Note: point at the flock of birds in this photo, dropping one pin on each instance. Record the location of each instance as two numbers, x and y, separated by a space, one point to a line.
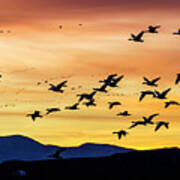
151 29
112 81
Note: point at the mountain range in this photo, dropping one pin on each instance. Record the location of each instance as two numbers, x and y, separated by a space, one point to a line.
22 148
23 156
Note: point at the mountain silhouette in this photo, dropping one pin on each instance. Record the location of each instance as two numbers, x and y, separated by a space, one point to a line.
22 148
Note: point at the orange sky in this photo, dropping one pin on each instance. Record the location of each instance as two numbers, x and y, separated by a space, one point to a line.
36 50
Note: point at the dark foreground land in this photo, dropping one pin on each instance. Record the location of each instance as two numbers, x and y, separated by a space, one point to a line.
145 165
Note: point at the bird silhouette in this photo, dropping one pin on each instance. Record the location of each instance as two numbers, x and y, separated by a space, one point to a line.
151 82
101 89
51 110
177 33
112 104
137 38
136 123
162 95
115 81
177 79
125 113
153 29
121 133
91 102
58 87
57 154
35 115
86 96
167 104
109 78
148 120
144 93
160 124
73 107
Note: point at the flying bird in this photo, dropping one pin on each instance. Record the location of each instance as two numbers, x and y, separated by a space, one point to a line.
58 87
109 78
151 82
115 81
177 33
35 115
86 96
112 104
137 38
160 124
125 113
57 154
91 102
136 123
177 79
51 110
101 89
162 95
121 133
73 107
144 93
167 104
148 120
153 29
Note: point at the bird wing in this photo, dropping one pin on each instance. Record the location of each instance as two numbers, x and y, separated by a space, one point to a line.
33 118
114 132
119 135
157 93
155 80
142 96
166 104
140 35
61 84
178 79
164 93
156 27
52 85
133 36
103 87
158 126
118 79
166 125
124 133
153 115
111 105
133 125
146 79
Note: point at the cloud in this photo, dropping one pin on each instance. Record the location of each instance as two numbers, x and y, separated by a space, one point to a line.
20 11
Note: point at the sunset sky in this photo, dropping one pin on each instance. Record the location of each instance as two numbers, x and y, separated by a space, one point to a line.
37 50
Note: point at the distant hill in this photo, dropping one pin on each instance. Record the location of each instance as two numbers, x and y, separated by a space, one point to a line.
23 148
19 147
90 150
